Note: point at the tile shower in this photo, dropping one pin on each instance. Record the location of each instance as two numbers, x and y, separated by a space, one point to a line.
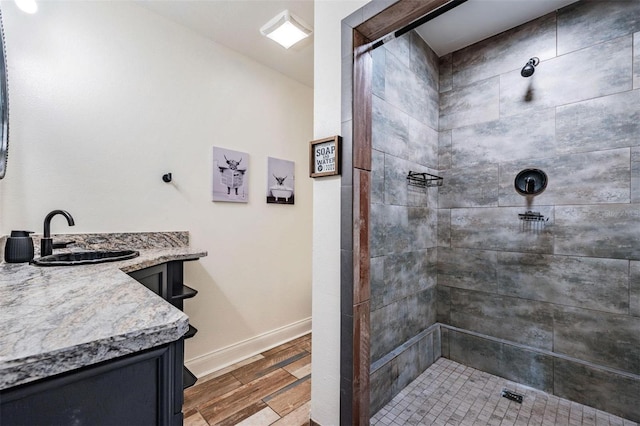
454 272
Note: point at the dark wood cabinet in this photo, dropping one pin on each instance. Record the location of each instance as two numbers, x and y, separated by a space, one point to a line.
167 281
144 388
140 389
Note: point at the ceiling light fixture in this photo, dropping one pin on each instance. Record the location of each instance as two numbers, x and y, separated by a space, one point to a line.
286 29
27 6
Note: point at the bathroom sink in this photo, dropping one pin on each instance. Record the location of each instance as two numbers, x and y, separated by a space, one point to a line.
85 257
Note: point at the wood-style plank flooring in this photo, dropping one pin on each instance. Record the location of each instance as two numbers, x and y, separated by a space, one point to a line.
272 388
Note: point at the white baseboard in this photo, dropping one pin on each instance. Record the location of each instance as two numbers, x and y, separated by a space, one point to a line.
221 358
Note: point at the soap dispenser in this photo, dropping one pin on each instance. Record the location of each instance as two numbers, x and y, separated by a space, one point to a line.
19 247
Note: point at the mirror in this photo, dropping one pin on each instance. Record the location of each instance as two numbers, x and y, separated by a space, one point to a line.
4 106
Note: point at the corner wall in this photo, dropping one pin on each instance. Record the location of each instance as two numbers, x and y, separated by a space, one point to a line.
553 305
332 112
403 217
106 97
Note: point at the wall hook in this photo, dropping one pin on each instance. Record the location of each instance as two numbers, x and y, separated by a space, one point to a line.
166 177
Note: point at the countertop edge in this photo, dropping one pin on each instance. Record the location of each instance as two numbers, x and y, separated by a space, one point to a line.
21 370
90 353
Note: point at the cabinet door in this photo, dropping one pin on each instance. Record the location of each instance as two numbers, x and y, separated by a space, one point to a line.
140 389
154 278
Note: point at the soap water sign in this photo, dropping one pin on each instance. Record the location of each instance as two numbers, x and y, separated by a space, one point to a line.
326 157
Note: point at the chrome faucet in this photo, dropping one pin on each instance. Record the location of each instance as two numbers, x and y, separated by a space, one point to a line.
46 244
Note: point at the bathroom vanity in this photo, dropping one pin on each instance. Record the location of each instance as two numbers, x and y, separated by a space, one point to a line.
91 345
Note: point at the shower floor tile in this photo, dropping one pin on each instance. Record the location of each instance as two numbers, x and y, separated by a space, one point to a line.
448 393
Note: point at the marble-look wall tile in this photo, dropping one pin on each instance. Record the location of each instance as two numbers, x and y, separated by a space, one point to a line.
424 61
446 73
511 362
444 228
444 149
406 363
602 123
611 392
401 275
610 231
583 178
379 59
468 269
389 128
387 328
403 218
527 367
599 70
399 229
476 103
380 291
380 385
518 137
431 115
587 23
400 48
475 352
444 342
475 186
394 324
634 288
591 283
422 311
413 361
602 338
408 367
388 230
396 188
437 343
635 174
422 227
377 177
636 60
443 304
518 320
410 93
426 350
423 144
500 229
506 51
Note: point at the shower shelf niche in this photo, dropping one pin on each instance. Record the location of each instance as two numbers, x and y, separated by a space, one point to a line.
423 180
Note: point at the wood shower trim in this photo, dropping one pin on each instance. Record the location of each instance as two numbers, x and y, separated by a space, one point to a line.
362 78
397 16
389 20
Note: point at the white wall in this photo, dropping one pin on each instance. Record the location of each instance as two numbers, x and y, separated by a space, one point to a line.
106 97
325 387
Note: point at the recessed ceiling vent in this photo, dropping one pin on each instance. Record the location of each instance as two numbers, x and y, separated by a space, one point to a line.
286 29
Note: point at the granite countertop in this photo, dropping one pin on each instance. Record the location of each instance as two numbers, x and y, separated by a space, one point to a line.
57 319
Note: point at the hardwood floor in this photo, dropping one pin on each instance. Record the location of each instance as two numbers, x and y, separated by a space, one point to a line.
273 388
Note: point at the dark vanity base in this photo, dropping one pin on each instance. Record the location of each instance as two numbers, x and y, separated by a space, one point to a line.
140 389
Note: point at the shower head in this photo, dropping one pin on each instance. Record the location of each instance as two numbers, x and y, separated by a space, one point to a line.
529 68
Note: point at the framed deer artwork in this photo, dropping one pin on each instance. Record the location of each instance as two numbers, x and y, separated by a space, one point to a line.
280 181
230 175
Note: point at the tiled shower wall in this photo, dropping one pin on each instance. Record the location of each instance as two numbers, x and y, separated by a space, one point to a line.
403 218
557 305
